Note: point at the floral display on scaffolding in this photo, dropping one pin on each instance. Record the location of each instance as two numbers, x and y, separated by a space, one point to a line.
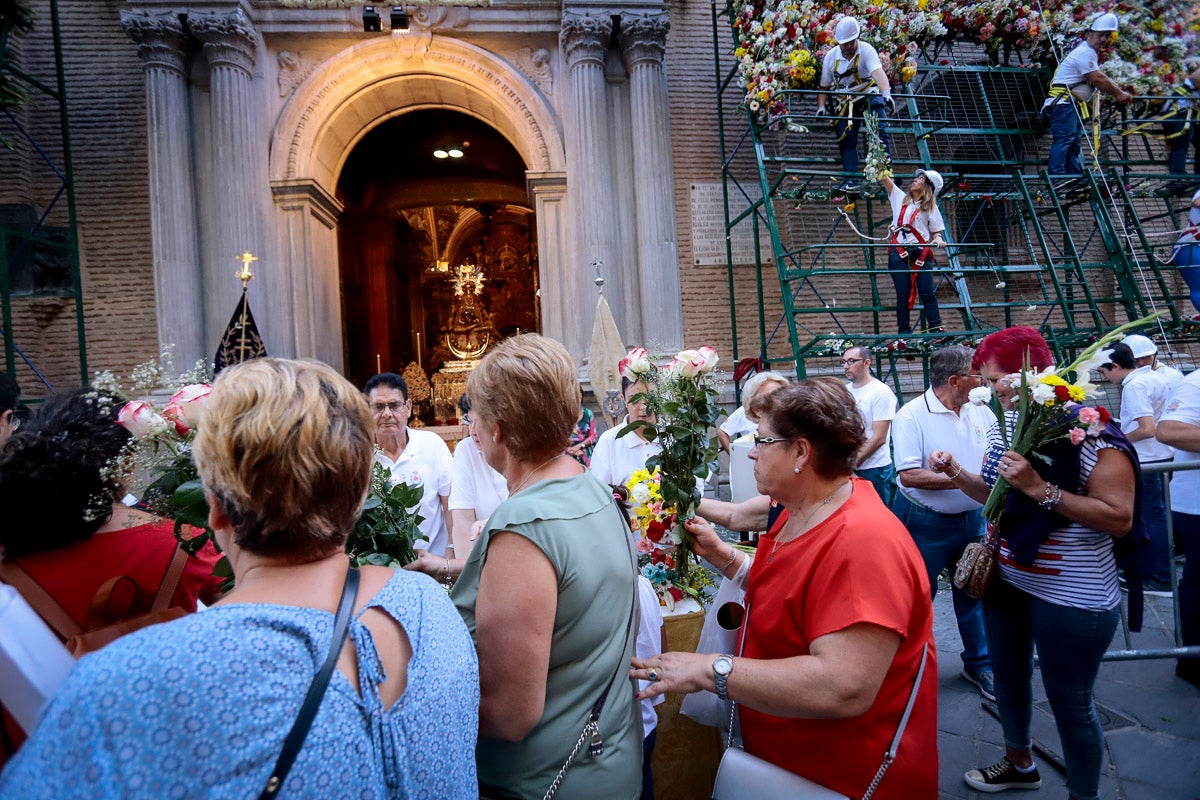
780 44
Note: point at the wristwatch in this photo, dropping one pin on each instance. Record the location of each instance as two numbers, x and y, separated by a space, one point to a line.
722 666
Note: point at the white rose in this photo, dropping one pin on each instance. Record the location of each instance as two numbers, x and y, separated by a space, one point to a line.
185 405
635 365
640 494
710 359
141 419
688 363
980 396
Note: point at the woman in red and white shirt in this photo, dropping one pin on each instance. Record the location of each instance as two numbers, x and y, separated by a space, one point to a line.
917 226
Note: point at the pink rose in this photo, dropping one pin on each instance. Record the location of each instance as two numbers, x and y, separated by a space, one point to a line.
184 407
1078 435
710 359
141 419
644 546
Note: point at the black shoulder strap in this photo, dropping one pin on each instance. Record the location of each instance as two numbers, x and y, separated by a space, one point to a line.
316 690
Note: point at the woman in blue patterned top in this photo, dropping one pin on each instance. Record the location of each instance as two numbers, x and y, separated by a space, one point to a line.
199 707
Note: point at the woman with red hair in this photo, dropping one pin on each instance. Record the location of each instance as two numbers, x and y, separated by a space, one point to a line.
1056 587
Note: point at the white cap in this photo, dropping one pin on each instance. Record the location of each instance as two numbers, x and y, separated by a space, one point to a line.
1141 346
1105 23
846 30
934 177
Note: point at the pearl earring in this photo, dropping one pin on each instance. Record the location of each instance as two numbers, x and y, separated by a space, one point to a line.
796 470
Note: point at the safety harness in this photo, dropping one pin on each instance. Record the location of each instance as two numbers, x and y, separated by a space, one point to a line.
1088 109
904 224
845 104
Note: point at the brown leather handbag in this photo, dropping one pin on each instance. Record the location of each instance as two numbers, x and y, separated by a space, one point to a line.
977 566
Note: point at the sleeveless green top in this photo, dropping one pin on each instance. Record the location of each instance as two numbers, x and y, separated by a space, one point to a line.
575 522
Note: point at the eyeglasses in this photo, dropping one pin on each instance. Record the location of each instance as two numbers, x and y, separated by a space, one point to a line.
761 440
14 422
850 362
974 375
379 408
467 420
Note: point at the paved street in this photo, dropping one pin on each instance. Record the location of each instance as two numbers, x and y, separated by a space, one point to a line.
1151 720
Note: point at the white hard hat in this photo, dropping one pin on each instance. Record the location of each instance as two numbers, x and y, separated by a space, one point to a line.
1141 346
1105 23
934 177
846 31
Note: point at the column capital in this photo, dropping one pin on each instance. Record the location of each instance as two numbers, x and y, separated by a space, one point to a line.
585 37
160 38
229 38
643 37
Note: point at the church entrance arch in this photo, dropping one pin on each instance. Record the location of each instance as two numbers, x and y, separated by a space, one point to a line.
364 87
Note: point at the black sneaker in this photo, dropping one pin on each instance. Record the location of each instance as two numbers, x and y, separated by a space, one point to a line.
1001 776
984 680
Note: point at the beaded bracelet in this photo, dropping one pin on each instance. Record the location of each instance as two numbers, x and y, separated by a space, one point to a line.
956 474
721 569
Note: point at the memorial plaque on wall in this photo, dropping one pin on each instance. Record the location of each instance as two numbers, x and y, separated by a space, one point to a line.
708 227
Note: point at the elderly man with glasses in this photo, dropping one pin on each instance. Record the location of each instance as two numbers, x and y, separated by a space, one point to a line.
414 457
877 404
942 519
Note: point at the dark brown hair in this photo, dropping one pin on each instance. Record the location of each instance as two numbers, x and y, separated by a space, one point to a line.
822 411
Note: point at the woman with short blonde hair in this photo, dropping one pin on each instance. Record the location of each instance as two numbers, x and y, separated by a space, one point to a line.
284 451
549 591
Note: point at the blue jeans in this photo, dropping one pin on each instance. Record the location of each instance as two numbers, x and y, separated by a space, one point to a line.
941 538
1066 129
1187 258
1156 565
882 478
1069 642
848 144
1182 134
648 774
1188 528
901 269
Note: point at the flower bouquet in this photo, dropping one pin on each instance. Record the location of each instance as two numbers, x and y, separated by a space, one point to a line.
682 404
1044 411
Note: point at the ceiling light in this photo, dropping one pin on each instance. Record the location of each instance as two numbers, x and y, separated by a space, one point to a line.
399 20
454 152
372 22
440 153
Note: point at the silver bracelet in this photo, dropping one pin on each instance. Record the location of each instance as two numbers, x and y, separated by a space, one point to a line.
721 569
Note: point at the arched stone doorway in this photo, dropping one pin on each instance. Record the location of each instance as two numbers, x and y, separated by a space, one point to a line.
353 93
436 245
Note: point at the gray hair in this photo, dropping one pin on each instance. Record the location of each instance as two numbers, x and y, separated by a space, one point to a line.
754 384
952 360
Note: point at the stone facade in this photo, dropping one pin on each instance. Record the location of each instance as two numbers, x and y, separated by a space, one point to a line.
202 129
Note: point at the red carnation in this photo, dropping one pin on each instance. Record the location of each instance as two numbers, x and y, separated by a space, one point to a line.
676 593
1105 417
1062 393
655 531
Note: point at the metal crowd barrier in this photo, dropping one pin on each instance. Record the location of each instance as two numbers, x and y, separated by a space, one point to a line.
1179 650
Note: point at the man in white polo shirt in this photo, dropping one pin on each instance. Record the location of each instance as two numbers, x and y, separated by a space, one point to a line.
941 519
877 404
1143 400
615 459
415 457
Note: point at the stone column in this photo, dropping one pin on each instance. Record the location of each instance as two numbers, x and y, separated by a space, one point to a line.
178 286
643 43
235 162
584 40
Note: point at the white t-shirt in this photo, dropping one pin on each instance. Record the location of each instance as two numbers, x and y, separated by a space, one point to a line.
1144 394
923 425
425 462
1183 405
839 72
909 214
615 460
473 484
648 645
1190 236
1071 71
1169 374
737 425
877 403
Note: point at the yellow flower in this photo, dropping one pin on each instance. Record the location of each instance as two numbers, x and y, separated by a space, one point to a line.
922 4
740 53
768 26
1054 380
1078 394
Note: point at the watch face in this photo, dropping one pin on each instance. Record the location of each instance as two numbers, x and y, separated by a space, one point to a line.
723 665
